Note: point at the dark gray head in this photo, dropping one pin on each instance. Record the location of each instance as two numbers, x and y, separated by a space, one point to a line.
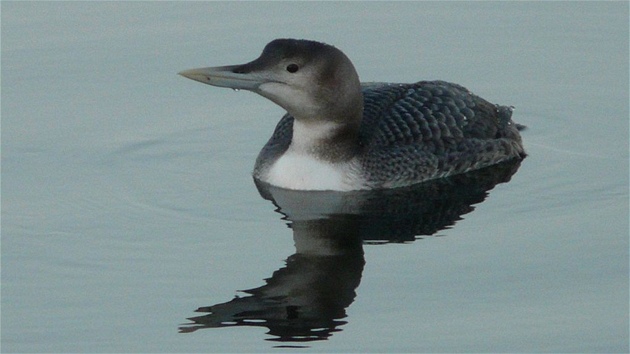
313 81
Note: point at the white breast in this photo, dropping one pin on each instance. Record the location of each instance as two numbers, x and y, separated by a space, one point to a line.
304 172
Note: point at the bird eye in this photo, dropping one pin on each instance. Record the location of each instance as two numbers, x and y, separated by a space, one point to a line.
292 68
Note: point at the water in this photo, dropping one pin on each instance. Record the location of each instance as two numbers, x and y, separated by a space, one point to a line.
127 200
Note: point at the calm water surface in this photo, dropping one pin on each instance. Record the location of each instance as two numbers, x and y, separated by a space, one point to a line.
130 222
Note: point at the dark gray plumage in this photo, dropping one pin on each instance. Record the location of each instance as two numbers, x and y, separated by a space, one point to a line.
341 134
416 132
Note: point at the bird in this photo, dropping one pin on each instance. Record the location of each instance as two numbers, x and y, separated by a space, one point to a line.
340 134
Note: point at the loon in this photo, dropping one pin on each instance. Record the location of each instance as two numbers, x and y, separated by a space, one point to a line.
340 134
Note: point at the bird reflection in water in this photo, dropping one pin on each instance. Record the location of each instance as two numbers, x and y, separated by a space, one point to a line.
306 300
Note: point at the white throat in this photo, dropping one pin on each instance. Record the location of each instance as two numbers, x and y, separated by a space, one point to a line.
299 168
308 136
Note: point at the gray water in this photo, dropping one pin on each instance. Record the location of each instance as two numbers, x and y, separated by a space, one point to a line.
128 204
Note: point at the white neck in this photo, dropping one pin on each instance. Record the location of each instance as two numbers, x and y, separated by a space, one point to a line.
308 135
301 168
